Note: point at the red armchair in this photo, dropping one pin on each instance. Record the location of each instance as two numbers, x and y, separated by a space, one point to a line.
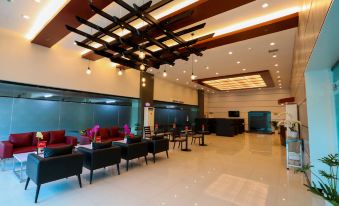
26 142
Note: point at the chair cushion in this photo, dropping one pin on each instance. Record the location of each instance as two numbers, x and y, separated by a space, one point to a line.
57 151
104 133
133 140
45 138
101 145
21 140
57 137
115 132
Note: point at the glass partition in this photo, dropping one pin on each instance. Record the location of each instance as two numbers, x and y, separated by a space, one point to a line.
168 113
27 108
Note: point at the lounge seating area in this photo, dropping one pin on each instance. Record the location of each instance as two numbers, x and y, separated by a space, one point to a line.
169 102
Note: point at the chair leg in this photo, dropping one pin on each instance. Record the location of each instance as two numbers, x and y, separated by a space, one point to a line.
192 140
91 177
27 181
154 157
167 153
79 179
179 144
146 159
37 193
118 168
173 145
127 165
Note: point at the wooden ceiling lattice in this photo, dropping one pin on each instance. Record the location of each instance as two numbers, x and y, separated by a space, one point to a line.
124 49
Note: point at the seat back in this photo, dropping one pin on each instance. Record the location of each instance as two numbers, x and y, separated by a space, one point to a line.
99 158
43 170
147 131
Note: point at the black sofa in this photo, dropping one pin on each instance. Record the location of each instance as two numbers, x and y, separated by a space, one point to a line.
99 158
43 170
133 150
158 144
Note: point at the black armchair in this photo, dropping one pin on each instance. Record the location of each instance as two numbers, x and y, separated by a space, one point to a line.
157 145
132 151
43 170
99 158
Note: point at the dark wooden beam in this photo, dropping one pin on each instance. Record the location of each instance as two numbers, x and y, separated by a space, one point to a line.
55 30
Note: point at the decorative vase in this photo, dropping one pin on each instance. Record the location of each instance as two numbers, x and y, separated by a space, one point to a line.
293 134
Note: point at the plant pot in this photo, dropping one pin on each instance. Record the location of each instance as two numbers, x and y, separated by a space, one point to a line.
293 134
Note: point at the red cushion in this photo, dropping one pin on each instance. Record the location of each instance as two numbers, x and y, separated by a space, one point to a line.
115 132
57 137
21 140
45 136
114 139
104 133
24 149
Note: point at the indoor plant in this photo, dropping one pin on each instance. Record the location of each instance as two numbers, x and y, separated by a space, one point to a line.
327 183
292 125
93 132
39 136
274 125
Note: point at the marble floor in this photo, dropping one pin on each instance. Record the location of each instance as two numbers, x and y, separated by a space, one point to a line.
246 170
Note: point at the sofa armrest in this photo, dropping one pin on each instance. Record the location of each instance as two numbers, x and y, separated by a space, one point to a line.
71 140
32 167
6 149
121 135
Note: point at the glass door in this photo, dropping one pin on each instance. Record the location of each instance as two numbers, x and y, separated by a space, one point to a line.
336 92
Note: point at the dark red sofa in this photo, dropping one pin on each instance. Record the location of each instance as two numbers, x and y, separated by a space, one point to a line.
106 134
26 142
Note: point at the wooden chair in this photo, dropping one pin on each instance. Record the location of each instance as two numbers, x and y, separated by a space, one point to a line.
147 132
196 136
176 137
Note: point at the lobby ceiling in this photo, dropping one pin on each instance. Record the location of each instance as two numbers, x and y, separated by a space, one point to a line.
252 52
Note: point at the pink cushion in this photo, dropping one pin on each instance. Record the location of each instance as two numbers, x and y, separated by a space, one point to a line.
45 137
57 137
21 140
115 132
104 133
24 149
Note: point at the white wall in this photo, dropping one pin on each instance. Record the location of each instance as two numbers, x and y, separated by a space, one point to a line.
245 101
168 91
28 63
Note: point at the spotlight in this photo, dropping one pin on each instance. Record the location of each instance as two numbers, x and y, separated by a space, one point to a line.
164 73
142 67
142 55
193 76
144 84
143 79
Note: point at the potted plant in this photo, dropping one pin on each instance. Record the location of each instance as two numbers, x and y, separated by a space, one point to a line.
127 132
293 127
93 133
325 185
274 125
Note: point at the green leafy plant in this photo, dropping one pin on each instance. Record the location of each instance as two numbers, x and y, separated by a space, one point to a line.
274 124
327 182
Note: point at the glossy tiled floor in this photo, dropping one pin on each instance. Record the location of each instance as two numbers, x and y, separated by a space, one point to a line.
247 170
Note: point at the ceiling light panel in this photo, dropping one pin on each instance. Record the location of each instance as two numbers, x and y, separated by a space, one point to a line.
235 83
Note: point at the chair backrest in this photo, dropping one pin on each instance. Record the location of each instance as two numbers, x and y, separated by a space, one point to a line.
147 131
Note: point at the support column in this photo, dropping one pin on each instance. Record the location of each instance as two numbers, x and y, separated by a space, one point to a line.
146 94
201 103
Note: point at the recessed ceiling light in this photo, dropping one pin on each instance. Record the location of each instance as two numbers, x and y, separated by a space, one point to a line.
171 66
238 62
277 71
184 71
280 87
244 69
272 43
249 48
25 16
278 77
265 5
150 70
230 52
279 80
217 73
177 79
37 1
279 84
195 60
207 67
274 56
276 65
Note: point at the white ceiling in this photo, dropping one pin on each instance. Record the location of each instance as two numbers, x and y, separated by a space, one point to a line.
217 59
